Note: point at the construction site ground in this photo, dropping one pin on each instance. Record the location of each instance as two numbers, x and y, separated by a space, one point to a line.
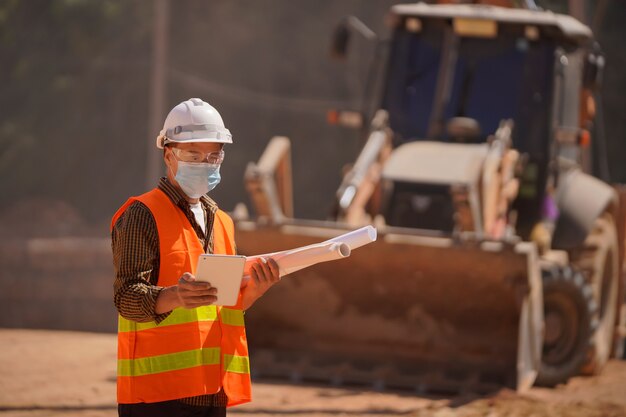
59 373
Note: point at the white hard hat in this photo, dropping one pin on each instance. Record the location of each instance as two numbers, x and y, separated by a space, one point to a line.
193 120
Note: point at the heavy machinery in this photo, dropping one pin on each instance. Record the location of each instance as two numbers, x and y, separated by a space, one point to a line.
500 256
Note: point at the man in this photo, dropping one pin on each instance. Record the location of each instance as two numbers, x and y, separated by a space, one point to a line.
178 354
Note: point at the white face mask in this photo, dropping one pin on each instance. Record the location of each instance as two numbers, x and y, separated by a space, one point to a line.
197 179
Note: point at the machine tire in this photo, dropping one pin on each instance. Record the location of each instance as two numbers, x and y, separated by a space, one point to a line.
569 310
599 262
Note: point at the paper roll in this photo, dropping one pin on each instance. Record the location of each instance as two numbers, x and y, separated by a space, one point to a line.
296 259
357 238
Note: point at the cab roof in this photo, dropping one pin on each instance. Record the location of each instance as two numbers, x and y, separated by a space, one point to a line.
568 27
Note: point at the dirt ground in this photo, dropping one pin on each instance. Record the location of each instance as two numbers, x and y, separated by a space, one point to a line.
52 373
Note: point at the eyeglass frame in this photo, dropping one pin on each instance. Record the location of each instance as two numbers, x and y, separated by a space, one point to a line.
205 155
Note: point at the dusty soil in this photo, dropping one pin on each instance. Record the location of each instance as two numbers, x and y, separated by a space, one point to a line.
52 373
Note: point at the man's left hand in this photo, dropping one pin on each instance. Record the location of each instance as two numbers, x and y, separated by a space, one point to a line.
263 275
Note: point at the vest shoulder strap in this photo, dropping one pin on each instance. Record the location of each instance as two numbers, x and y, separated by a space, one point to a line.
224 222
144 198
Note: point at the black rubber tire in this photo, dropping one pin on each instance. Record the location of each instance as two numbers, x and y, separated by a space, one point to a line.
569 310
598 260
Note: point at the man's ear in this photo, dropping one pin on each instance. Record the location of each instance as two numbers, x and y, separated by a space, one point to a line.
167 156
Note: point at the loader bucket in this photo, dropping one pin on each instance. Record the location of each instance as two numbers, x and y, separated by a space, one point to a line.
409 312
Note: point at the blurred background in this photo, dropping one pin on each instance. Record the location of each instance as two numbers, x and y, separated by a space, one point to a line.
78 116
85 87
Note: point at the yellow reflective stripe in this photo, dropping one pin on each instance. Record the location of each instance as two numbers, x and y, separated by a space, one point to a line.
177 316
232 317
168 362
237 364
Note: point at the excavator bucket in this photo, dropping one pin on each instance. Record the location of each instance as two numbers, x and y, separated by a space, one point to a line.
413 312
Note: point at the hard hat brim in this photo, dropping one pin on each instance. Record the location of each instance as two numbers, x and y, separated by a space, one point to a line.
194 134
162 141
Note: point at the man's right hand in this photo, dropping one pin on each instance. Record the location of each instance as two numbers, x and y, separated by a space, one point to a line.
193 293
188 293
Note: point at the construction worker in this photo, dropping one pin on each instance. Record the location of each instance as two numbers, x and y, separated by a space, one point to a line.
178 354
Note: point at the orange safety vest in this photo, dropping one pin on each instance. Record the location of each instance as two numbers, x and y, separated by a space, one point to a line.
193 351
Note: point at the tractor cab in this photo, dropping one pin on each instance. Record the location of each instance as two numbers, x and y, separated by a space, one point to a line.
454 75
485 64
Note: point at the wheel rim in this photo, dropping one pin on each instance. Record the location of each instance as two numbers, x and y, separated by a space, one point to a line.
607 282
606 309
562 333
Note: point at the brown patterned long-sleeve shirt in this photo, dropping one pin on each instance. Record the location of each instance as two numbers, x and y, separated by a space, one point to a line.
135 246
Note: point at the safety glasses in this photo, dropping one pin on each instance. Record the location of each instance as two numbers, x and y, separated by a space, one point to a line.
184 155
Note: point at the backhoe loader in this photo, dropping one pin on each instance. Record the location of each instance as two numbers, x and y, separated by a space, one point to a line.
499 261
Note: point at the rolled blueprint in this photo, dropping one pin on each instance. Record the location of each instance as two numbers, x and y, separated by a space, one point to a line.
299 258
357 238
296 259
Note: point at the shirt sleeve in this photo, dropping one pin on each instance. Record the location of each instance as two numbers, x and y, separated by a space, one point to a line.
135 246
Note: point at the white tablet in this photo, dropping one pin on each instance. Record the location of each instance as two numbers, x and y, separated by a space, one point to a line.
225 273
